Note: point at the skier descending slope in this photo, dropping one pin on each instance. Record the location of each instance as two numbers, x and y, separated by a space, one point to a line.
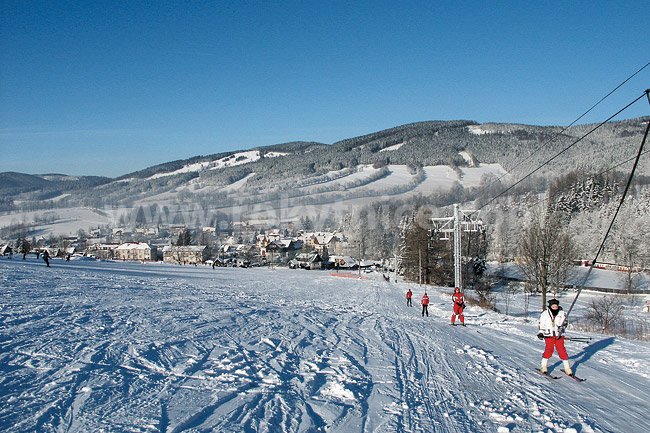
552 323
459 305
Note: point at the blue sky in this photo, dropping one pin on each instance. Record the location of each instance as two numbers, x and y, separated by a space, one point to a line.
106 88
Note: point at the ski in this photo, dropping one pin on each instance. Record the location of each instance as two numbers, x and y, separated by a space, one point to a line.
547 375
577 379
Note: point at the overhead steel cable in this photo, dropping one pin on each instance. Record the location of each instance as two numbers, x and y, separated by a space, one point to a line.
606 96
564 150
558 135
627 187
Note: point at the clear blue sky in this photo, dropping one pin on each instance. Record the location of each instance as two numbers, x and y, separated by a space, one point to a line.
106 88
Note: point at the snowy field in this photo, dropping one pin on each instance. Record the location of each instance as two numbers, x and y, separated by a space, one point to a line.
63 221
124 347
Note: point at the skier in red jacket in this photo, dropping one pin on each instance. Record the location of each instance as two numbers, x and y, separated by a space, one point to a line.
409 295
459 305
425 304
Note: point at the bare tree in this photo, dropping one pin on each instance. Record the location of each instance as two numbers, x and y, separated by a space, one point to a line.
528 291
546 252
606 312
509 292
628 255
424 257
413 248
502 240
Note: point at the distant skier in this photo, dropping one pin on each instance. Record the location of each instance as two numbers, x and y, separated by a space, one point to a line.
409 296
459 305
552 323
46 257
425 304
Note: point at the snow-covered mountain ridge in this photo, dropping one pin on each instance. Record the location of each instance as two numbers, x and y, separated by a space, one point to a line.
437 163
423 144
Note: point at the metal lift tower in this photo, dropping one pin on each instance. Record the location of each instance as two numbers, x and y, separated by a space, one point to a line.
461 222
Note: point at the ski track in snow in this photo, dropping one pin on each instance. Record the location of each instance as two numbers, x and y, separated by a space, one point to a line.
122 347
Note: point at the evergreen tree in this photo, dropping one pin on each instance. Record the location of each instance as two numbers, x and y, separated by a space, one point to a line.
306 223
441 260
184 238
204 239
414 250
187 237
140 218
25 246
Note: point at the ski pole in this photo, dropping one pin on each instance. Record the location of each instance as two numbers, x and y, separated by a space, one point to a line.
581 339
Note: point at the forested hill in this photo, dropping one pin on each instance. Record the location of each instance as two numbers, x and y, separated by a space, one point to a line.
515 148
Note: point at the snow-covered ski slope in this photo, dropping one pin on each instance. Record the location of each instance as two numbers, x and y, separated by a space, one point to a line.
126 347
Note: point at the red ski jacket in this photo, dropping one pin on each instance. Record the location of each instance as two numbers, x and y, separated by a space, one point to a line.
425 300
458 298
409 294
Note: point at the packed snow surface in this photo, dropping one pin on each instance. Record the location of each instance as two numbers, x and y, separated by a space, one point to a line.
393 147
125 347
233 160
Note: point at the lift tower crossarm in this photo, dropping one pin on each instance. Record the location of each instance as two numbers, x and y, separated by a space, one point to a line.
460 222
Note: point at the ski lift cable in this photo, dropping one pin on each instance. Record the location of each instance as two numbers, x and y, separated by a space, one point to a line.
627 187
564 150
606 96
559 134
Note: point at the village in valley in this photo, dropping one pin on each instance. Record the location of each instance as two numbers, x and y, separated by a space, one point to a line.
247 245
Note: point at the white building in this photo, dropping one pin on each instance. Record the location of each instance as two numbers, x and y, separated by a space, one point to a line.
102 251
189 254
135 251
322 241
